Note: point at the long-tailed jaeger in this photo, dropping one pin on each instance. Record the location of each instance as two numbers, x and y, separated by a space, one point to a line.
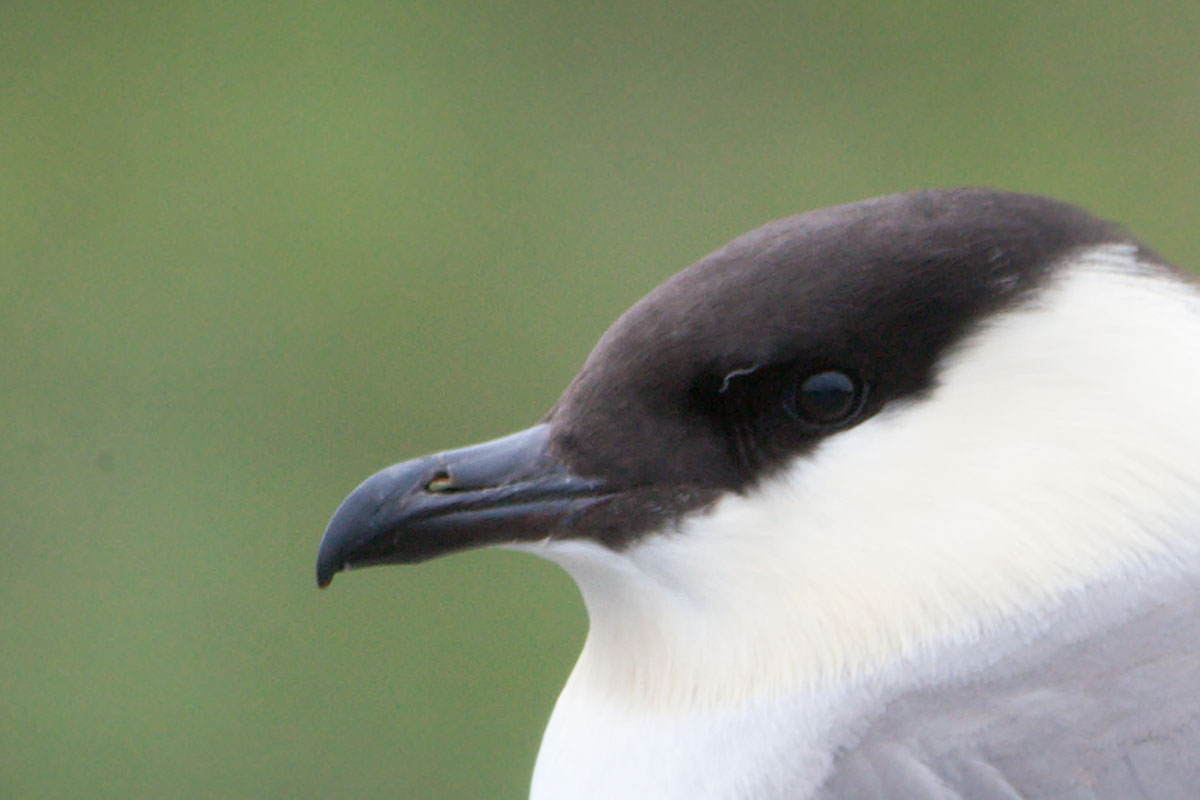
898 499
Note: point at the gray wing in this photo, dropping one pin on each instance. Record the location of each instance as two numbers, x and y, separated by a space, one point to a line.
1116 717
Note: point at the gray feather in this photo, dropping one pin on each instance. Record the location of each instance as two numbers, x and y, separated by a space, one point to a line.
1113 717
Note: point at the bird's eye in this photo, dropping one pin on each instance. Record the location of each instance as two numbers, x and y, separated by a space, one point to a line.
826 398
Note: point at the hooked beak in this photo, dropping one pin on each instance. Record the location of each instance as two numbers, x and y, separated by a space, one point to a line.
508 490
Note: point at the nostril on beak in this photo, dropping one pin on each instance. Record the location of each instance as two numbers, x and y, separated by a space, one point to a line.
441 482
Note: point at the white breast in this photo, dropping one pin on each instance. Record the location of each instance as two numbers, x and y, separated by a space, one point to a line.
595 750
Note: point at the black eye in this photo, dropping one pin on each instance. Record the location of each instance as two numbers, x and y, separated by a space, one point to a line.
826 398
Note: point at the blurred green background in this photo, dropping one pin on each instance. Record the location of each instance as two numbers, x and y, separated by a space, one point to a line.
249 253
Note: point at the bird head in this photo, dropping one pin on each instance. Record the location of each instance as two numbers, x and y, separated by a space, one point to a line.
837 439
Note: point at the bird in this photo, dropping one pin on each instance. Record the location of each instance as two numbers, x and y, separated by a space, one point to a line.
893 500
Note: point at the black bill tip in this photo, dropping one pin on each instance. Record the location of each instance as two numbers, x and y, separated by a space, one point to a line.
362 518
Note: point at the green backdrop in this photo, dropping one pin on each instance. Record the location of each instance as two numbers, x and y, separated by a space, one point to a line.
249 253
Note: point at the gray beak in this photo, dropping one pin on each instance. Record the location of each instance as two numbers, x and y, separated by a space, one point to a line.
508 490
